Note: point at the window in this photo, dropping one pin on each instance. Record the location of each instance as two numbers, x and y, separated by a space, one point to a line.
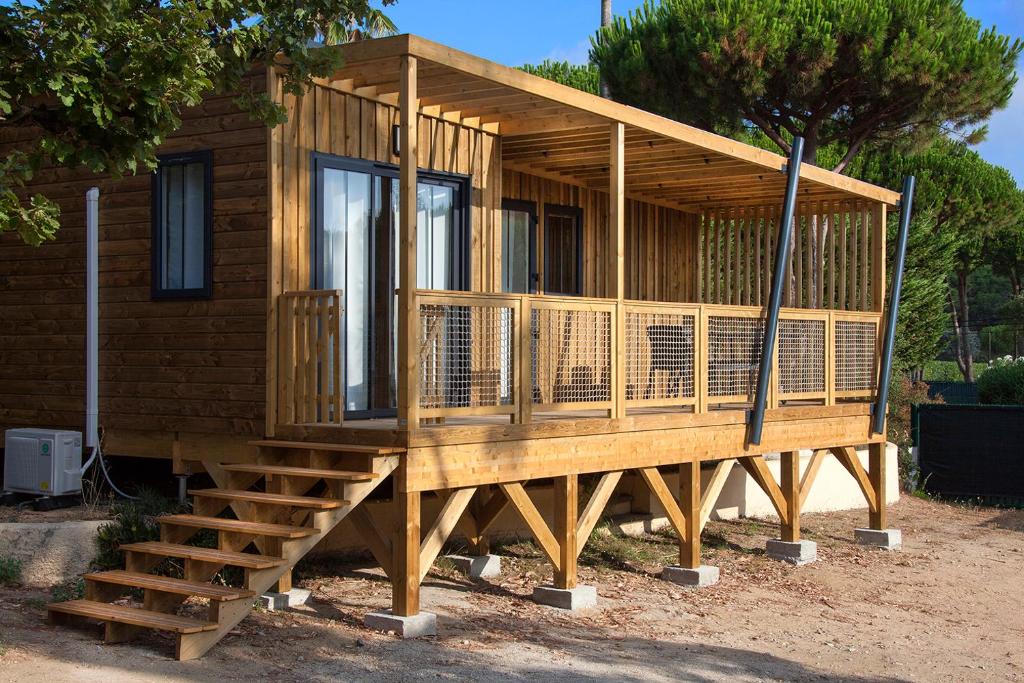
355 249
563 250
518 228
182 210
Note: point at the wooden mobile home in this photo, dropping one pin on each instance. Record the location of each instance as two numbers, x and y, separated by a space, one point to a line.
458 279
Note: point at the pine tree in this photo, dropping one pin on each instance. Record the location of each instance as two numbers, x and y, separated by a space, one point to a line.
849 72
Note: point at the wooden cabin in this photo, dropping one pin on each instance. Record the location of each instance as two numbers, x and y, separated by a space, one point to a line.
456 278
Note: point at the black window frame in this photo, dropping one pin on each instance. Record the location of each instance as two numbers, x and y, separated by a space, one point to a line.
320 161
530 208
158 292
576 213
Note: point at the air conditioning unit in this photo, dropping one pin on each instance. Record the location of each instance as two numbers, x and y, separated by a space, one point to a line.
46 462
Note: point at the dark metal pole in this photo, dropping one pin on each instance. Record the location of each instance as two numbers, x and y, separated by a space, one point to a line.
906 204
771 326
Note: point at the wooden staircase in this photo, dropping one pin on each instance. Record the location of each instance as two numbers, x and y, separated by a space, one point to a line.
266 516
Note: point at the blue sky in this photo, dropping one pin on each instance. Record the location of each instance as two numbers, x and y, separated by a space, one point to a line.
501 32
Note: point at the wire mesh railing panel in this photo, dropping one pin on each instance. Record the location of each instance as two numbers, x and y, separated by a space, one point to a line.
466 356
570 356
734 354
855 355
659 356
801 357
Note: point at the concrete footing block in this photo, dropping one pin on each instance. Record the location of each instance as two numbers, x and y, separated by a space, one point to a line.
699 577
794 552
415 626
477 566
293 598
888 539
580 597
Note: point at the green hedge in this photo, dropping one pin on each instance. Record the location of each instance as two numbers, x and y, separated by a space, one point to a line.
1003 382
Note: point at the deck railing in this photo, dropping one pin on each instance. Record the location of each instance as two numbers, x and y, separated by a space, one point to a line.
309 357
513 354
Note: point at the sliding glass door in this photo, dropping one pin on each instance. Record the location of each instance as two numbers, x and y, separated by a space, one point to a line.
355 249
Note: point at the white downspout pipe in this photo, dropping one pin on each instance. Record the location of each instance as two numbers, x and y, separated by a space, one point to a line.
92 315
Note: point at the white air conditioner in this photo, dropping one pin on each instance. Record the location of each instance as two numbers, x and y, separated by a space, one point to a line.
46 462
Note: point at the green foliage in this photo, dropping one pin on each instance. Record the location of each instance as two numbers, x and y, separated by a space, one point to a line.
1005 252
583 77
961 202
904 393
134 521
69 590
10 570
104 83
1003 382
850 72
942 371
924 315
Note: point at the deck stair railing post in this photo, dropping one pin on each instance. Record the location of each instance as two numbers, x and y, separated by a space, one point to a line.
885 369
777 287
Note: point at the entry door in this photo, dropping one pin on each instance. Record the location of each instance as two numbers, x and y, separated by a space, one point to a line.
356 250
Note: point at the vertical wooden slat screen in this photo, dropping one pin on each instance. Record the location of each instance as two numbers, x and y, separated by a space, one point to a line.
831 265
310 360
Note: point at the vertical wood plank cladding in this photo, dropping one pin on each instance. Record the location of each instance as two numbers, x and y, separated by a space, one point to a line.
830 265
170 366
660 243
333 122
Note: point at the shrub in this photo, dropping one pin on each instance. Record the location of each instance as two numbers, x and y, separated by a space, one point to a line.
10 571
134 521
1003 382
69 590
903 394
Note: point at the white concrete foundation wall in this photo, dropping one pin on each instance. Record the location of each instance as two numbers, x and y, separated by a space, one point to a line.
833 489
50 552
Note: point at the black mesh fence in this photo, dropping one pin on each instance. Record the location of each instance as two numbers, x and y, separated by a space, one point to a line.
972 451
959 393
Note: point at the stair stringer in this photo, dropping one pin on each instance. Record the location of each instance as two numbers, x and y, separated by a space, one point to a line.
193 645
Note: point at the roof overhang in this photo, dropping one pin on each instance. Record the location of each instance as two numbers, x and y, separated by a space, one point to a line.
554 131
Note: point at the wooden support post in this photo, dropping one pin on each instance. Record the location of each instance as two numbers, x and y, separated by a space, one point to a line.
689 502
617 216
405 579
790 485
284 582
566 502
878 517
408 312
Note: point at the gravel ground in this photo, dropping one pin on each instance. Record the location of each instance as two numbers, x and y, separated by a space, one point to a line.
949 606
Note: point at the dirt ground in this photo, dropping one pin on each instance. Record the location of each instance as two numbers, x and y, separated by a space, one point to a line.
949 606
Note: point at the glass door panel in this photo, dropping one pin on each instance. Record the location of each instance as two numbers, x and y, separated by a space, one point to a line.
347 240
357 250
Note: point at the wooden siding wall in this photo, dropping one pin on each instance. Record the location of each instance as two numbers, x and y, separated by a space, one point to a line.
335 122
165 366
661 244
332 121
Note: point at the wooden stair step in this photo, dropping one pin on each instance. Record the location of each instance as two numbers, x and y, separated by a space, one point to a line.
311 502
212 555
311 473
239 526
166 584
337 447
129 615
